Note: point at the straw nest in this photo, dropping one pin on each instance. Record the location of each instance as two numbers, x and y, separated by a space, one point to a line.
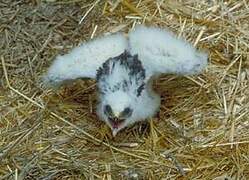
201 131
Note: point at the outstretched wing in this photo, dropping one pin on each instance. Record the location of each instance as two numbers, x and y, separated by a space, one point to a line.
161 52
83 61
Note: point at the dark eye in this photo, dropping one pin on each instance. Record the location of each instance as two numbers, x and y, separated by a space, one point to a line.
108 110
127 112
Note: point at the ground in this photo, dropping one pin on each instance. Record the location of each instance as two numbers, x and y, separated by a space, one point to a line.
201 131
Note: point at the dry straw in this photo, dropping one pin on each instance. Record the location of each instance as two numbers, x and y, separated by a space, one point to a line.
201 131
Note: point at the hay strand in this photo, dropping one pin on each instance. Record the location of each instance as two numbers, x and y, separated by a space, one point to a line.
201 131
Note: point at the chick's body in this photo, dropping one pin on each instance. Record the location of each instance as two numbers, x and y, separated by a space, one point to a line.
125 67
125 94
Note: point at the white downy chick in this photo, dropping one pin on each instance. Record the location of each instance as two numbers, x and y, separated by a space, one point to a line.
125 69
125 96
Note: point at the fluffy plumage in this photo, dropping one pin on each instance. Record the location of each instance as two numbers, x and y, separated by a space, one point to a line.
124 69
121 83
124 72
161 52
84 60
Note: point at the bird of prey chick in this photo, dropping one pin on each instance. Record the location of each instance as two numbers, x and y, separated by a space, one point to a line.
124 68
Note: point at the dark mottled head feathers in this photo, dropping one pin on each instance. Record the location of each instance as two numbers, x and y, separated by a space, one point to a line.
126 63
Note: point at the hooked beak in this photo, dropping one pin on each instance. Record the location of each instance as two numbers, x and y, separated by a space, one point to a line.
116 114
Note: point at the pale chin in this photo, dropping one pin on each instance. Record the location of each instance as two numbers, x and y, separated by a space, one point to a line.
114 132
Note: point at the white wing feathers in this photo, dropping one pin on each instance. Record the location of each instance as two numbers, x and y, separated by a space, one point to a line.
161 52
83 61
158 50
